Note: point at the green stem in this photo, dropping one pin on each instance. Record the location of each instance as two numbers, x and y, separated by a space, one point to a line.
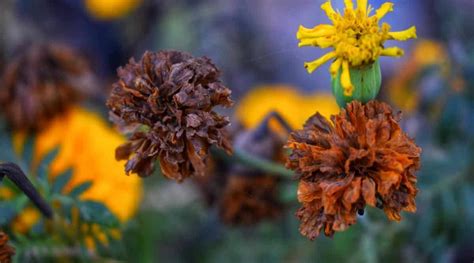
256 162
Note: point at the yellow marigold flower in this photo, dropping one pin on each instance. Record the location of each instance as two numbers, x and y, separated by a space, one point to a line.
294 107
87 145
356 37
110 9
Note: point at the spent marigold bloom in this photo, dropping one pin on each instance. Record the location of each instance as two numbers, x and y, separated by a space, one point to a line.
247 200
356 36
6 251
41 83
165 101
244 195
361 158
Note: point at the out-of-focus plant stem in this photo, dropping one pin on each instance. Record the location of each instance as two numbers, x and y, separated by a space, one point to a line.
255 162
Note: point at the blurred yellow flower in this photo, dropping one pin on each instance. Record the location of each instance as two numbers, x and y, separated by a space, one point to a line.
293 106
87 145
402 86
27 219
356 37
110 9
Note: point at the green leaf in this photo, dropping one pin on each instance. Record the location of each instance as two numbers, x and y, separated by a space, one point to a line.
43 168
11 208
61 181
95 212
8 212
80 189
28 150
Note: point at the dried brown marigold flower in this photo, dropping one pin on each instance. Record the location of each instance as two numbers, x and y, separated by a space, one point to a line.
165 101
247 200
6 251
40 83
361 158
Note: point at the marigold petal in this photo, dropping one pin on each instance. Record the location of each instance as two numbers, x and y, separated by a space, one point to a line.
307 192
386 180
312 66
315 32
349 4
327 7
368 191
384 9
392 52
352 193
362 6
335 66
403 35
346 79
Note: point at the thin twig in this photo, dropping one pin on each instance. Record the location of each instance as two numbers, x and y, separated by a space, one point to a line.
16 175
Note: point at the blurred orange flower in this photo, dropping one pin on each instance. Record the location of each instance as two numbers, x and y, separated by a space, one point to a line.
402 88
87 145
110 9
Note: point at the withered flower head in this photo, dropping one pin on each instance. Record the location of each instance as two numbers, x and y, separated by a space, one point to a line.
40 83
249 199
244 195
361 158
6 251
165 101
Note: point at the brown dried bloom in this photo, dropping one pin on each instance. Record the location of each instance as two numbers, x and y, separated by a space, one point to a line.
362 157
249 199
41 83
165 101
6 251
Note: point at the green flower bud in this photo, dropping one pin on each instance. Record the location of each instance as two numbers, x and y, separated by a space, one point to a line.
366 82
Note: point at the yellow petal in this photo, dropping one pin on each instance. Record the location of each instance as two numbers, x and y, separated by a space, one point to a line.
392 52
312 66
327 7
384 9
403 35
362 5
346 79
324 42
335 66
317 31
349 4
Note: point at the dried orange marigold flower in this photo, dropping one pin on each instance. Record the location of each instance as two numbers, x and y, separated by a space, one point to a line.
41 83
361 158
6 251
165 101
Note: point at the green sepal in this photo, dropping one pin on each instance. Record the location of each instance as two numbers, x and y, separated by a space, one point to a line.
366 82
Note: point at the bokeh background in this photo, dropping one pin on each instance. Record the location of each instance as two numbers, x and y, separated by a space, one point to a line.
254 45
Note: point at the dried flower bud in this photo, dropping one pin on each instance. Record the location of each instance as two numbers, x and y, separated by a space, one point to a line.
166 102
6 251
41 83
249 199
361 158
